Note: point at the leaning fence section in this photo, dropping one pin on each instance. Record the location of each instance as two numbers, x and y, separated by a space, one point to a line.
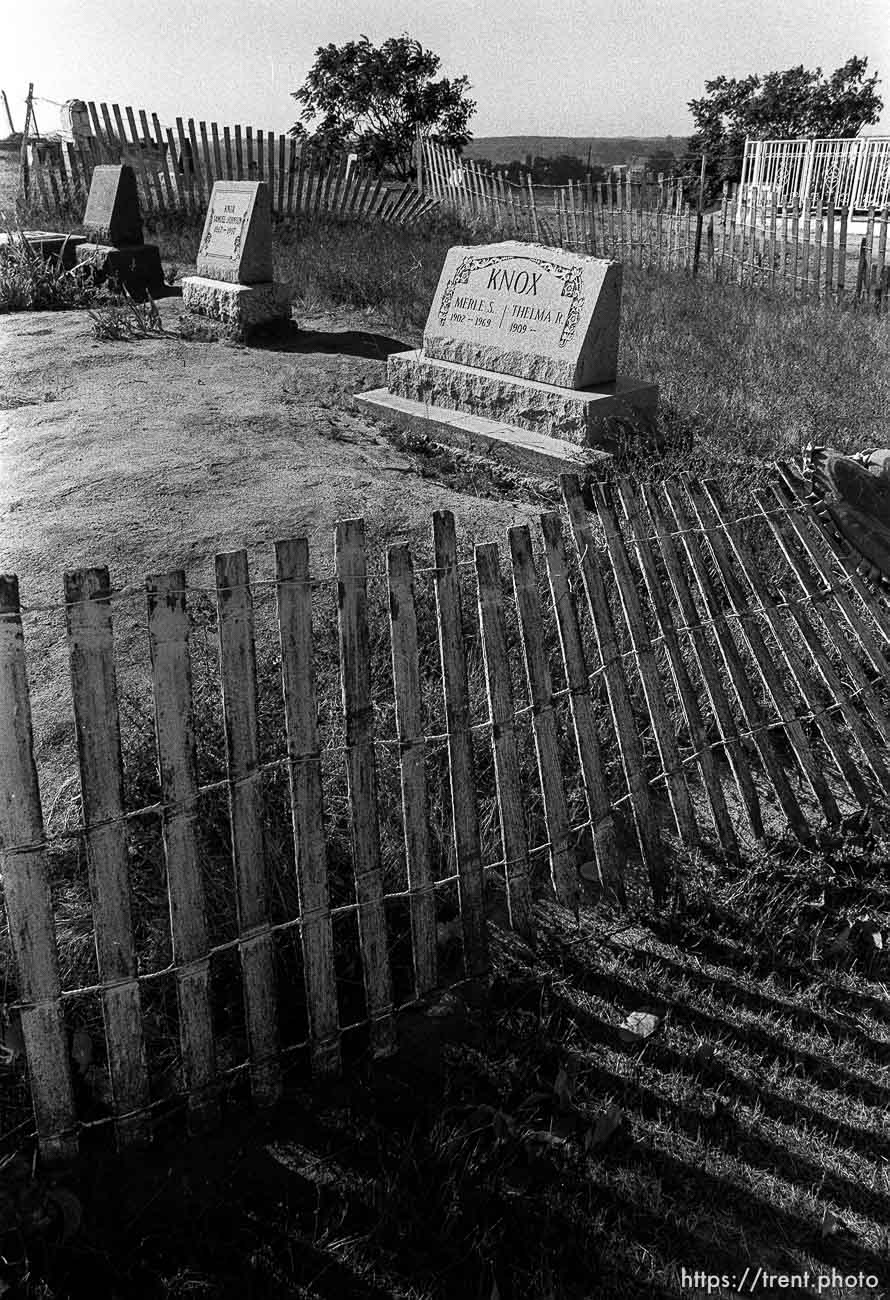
176 168
333 820
756 237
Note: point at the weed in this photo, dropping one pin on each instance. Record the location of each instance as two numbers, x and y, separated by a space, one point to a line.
31 282
117 315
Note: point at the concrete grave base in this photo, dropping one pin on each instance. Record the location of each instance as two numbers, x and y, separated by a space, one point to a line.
47 244
580 416
524 449
240 307
137 267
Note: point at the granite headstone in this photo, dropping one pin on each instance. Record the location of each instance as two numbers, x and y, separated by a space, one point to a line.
536 313
236 245
112 215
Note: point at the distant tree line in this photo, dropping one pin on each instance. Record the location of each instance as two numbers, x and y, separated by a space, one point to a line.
376 100
563 167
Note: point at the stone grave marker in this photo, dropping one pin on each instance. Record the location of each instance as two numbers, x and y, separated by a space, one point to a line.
535 313
112 215
236 245
114 246
234 285
519 357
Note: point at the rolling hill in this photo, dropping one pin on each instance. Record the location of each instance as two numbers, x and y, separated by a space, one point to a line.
501 149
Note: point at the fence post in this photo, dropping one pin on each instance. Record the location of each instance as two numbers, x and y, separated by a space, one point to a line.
28 898
294 591
361 773
464 809
25 174
699 215
256 945
97 728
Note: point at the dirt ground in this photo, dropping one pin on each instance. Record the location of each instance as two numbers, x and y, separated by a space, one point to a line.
157 453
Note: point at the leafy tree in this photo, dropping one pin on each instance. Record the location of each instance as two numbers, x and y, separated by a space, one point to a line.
778 106
374 99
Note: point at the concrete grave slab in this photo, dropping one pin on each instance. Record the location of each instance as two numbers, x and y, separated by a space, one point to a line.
581 416
46 244
240 308
524 449
539 313
138 267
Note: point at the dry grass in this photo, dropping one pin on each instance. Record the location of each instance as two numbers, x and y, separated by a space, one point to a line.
520 1148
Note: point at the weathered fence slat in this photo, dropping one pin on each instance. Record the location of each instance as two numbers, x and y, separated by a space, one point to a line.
761 654
239 156
753 714
218 172
511 808
609 855
202 181
185 167
162 150
206 162
830 733
361 771
256 944
682 681
94 693
464 809
810 532
412 752
556 814
27 896
784 526
625 724
294 592
663 728
168 633
734 747
282 147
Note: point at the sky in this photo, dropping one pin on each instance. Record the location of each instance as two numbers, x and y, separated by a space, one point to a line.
564 67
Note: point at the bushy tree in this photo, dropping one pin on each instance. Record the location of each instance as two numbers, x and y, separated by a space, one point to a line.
373 100
778 106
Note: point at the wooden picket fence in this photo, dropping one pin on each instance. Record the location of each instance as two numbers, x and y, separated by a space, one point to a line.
175 170
676 677
795 248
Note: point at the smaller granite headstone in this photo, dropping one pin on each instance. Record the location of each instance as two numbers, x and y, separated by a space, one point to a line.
234 285
114 247
236 245
112 215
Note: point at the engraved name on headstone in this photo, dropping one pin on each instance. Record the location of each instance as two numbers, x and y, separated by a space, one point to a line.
236 245
521 309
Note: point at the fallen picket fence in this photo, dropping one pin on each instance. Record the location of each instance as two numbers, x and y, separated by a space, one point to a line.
677 677
756 238
175 170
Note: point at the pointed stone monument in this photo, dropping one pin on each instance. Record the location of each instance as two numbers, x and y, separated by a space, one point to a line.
519 358
114 245
234 284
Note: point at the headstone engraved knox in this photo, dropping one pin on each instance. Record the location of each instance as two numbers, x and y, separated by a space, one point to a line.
522 310
519 356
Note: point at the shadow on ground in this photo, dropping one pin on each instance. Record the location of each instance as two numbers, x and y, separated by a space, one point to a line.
522 1146
347 343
